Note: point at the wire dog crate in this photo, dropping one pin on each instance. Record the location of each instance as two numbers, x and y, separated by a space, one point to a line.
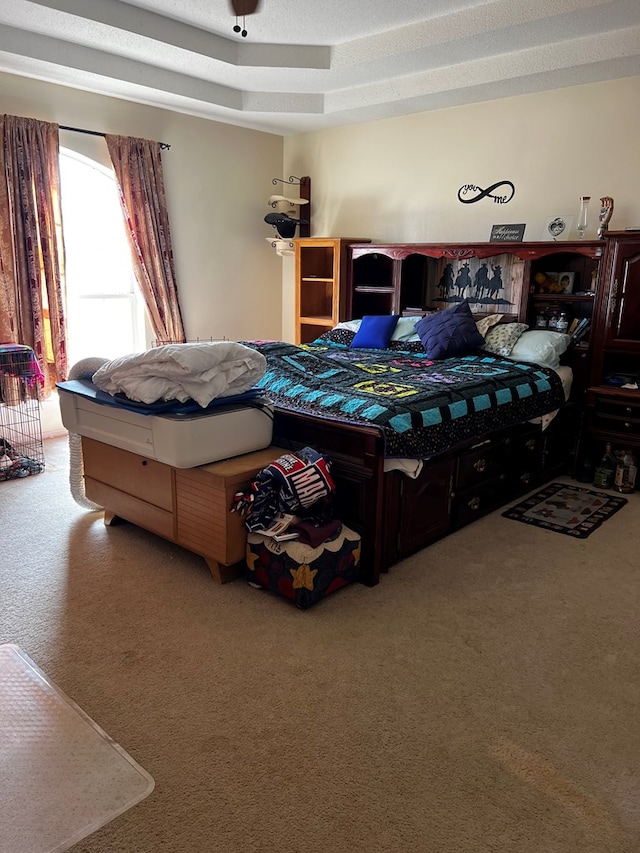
21 446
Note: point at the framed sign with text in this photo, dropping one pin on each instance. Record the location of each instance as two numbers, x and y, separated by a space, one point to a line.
507 233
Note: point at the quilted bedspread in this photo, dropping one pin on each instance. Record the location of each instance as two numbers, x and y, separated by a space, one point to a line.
422 407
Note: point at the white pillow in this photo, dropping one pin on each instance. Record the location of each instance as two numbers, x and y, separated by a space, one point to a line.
540 347
405 329
350 325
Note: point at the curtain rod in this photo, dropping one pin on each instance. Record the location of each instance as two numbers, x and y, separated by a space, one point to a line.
163 145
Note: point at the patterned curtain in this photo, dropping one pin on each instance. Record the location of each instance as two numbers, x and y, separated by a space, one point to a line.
138 169
31 244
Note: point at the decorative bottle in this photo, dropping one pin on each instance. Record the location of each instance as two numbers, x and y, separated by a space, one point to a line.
582 216
626 470
606 469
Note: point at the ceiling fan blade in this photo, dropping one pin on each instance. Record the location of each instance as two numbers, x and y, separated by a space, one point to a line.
241 8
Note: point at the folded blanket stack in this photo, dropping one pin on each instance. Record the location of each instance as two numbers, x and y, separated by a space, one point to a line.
198 371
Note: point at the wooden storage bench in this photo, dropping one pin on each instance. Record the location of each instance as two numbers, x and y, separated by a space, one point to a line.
188 506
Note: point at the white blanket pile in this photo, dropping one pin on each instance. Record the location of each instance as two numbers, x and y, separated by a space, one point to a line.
199 371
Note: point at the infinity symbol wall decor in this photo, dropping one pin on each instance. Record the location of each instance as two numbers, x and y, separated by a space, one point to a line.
488 193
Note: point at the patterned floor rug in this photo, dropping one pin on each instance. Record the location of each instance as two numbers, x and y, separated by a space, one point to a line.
567 509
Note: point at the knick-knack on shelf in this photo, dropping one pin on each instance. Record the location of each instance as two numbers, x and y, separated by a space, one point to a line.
606 211
581 225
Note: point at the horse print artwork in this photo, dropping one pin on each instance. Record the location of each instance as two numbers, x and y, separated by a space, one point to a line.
485 283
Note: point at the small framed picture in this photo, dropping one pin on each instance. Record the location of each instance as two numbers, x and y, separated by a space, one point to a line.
557 228
507 233
565 281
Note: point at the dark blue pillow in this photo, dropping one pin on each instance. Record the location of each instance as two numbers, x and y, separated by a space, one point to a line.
375 332
450 332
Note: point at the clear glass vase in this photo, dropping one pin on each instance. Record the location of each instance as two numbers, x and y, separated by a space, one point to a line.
581 226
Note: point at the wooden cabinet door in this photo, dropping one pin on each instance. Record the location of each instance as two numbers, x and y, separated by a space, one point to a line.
425 506
623 314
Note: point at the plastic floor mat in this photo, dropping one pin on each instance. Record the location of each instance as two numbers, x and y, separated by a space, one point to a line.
62 776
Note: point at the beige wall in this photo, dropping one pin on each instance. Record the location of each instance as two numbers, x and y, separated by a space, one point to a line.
397 180
218 178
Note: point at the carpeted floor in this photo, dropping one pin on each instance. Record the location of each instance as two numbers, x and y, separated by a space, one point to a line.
483 698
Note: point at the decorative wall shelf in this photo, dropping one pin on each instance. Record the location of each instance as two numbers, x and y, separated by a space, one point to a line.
282 247
273 200
287 217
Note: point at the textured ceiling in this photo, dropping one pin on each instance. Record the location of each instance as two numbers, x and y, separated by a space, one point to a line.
311 64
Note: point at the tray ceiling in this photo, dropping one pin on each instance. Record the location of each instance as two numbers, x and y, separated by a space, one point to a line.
308 65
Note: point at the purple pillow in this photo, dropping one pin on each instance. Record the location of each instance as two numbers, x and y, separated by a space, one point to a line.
450 332
375 332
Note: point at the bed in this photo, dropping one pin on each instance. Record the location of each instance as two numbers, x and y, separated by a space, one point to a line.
419 446
421 442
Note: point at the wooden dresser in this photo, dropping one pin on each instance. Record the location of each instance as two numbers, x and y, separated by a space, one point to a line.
613 410
188 506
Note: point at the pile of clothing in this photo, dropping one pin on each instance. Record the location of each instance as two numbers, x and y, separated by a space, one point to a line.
291 499
14 465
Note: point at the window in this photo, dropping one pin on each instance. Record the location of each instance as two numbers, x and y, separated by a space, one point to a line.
105 310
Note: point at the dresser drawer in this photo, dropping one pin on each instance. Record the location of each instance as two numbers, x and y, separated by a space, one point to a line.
142 513
142 478
615 426
522 479
515 457
525 446
480 464
621 417
623 409
469 504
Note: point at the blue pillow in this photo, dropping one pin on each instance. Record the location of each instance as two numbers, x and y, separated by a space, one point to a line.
375 332
449 332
